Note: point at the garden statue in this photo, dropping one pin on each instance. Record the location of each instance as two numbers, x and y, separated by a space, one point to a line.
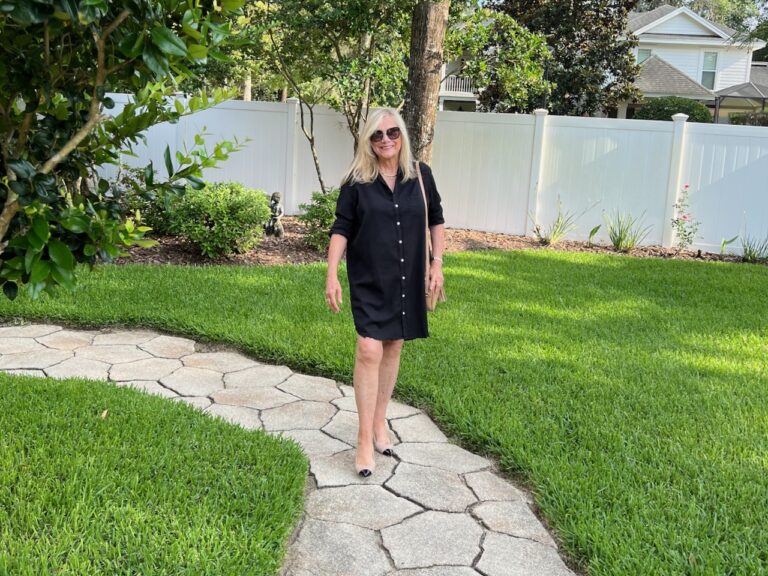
274 227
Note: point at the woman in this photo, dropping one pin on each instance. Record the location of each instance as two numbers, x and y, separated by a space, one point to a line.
380 221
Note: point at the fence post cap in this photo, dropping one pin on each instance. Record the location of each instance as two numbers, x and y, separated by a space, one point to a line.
679 117
543 112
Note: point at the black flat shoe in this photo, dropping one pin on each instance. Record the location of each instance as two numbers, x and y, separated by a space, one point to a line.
365 472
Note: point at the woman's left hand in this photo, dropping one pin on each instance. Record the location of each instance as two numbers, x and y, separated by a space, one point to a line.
435 275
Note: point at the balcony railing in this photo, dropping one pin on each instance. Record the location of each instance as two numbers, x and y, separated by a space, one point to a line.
457 84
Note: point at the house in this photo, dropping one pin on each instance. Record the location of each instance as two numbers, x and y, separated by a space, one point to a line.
683 54
456 92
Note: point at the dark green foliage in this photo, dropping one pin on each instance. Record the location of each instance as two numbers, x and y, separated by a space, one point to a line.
667 106
58 61
749 118
221 218
319 216
593 66
96 479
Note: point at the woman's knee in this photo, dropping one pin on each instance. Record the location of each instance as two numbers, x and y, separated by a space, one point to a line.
392 348
369 351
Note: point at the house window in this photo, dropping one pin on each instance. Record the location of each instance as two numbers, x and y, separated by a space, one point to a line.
643 54
708 70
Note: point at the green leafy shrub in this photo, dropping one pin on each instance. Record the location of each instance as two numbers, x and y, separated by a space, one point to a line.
319 215
667 106
749 118
754 249
221 218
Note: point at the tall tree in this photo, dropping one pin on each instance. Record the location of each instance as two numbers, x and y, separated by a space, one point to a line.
593 66
428 26
505 61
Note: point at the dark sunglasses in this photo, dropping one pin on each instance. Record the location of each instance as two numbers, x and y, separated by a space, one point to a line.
392 134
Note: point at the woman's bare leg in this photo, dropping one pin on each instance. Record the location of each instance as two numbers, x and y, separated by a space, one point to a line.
388 370
368 359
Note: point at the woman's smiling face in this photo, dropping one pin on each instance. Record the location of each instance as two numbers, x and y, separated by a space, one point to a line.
387 149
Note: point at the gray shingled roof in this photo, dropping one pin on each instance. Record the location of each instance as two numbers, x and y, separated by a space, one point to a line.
658 77
745 90
759 73
637 20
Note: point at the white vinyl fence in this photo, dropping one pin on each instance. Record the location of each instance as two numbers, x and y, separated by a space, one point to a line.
502 172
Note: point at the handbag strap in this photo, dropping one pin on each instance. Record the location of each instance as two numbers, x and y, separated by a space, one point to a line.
428 251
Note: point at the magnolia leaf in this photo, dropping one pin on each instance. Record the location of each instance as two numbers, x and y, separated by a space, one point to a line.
167 41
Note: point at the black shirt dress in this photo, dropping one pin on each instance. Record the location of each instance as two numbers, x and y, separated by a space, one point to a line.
386 246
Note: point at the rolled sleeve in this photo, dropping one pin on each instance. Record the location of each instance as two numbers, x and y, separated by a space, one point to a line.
434 202
346 208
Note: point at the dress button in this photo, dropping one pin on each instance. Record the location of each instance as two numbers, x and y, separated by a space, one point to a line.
403 277
399 241
397 205
398 223
401 260
403 295
403 313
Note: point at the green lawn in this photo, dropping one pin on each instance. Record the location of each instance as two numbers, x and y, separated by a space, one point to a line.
630 394
150 487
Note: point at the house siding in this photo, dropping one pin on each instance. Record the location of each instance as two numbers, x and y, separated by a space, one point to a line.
686 59
732 68
681 24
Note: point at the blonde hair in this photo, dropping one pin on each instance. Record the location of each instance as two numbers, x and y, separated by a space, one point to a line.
365 167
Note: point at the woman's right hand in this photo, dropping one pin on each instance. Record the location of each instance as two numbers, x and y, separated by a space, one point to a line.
333 293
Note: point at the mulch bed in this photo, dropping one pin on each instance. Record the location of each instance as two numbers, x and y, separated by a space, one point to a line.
291 249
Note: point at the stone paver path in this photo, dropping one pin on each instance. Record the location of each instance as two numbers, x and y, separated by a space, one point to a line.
433 510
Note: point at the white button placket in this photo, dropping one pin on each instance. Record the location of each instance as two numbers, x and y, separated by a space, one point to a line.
401 253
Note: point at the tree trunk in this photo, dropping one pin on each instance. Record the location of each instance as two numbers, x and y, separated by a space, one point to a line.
430 20
247 84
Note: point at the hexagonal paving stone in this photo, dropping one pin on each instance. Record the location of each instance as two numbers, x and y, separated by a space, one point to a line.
431 487
198 402
339 470
437 571
248 418
149 369
261 376
488 486
80 368
27 330
334 549
149 387
260 398
169 347
112 353
221 361
504 555
303 414
194 381
418 428
316 444
311 388
433 538
37 360
441 455
115 337
19 345
366 506
68 339
343 426
514 518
